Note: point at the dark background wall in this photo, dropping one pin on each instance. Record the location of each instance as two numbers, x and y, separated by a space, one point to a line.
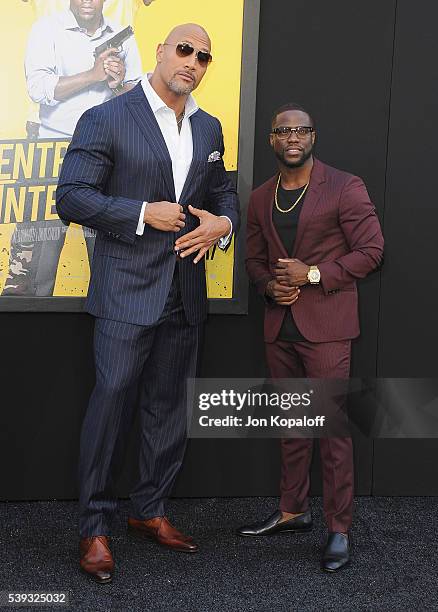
408 333
368 74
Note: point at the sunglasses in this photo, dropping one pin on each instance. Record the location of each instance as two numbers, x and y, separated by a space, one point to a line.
184 49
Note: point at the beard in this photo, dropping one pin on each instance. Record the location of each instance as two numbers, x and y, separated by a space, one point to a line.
294 164
179 89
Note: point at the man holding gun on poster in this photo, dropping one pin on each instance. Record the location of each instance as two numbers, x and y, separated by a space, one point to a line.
121 12
62 73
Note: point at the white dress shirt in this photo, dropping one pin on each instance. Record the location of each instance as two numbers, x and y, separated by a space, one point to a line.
58 47
179 144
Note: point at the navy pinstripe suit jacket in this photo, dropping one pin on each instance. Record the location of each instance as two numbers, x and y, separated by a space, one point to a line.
116 160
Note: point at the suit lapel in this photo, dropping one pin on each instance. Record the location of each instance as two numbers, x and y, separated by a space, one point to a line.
268 204
311 200
142 114
195 123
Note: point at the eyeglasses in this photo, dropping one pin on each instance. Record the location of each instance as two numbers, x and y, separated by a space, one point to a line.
283 132
185 49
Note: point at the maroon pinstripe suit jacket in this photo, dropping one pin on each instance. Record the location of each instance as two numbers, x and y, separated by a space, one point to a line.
338 231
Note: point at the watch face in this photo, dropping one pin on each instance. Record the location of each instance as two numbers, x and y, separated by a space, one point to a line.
314 276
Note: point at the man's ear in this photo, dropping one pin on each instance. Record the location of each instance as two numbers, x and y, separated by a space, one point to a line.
271 140
159 52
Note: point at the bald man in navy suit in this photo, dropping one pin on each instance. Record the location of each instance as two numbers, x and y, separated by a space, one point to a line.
146 171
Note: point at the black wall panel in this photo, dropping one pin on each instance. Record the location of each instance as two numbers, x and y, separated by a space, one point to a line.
409 300
47 375
409 297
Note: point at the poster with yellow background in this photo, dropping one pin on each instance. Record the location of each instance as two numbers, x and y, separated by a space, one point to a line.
29 167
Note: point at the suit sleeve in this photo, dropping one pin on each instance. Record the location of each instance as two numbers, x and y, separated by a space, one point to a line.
85 171
257 262
362 232
222 196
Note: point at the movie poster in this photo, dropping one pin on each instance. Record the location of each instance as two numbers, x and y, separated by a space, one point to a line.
40 257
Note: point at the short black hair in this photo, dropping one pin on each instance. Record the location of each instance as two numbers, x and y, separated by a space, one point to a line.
291 106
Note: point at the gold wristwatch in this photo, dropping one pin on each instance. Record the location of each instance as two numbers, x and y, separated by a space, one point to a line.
313 275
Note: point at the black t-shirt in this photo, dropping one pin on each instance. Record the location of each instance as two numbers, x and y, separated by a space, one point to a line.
286 225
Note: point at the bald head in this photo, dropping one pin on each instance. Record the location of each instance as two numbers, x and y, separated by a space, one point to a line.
177 72
188 30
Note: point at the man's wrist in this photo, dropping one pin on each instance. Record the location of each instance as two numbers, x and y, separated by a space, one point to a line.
223 241
227 226
91 76
146 215
268 288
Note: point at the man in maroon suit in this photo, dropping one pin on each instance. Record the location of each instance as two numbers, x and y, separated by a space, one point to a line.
312 233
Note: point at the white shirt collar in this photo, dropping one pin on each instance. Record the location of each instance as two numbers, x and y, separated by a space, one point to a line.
156 103
69 22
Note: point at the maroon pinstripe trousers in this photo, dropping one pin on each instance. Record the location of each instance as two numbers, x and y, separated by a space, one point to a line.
312 360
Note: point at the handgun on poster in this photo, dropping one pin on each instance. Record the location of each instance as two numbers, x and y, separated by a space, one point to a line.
115 42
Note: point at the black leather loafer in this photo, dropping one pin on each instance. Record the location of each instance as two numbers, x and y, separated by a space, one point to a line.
337 552
273 525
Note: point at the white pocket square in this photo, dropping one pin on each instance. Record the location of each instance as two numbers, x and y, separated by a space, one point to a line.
213 157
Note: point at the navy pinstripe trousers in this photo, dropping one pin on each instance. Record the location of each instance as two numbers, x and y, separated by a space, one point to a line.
155 360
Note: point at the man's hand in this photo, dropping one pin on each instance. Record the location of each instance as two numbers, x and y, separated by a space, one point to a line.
292 272
69 85
115 70
164 216
210 229
98 72
282 294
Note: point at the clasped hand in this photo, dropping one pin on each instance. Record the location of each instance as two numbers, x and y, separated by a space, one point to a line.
290 274
169 217
109 67
164 216
210 229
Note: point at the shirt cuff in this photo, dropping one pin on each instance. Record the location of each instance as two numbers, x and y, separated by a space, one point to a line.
141 223
224 241
41 88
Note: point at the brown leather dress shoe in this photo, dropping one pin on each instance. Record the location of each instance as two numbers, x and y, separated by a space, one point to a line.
160 530
96 558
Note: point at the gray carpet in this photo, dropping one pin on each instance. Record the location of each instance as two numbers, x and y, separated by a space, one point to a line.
394 564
